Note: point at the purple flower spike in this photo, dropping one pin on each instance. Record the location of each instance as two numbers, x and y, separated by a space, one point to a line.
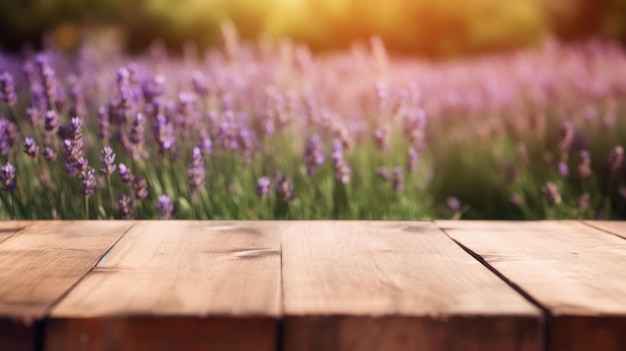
343 172
616 158
584 168
263 187
313 154
398 179
284 189
163 132
164 207
383 174
563 169
30 147
552 194
125 207
108 161
7 89
195 170
140 187
454 204
124 173
49 154
411 164
51 121
7 176
137 130
88 182
104 123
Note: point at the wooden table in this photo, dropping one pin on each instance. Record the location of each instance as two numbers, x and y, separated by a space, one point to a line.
312 285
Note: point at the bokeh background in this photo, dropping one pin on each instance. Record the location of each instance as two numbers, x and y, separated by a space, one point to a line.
431 28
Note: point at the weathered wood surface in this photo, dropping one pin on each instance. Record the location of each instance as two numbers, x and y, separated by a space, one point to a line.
8 229
576 272
39 263
186 285
614 227
395 286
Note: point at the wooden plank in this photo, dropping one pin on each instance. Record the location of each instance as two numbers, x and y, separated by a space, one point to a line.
576 272
396 286
180 285
8 228
41 263
614 227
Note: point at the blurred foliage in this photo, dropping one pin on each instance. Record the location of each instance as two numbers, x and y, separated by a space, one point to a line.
435 28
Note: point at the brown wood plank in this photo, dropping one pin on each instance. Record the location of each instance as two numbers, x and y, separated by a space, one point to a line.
576 272
396 286
8 228
41 263
177 285
614 227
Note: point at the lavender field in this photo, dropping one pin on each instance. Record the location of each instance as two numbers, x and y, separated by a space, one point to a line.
271 131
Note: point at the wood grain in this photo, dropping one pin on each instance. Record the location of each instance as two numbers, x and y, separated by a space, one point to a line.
177 285
614 227
39 264
395 286
8 228
576 272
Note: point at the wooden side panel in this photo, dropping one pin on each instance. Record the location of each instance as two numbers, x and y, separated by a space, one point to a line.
39 264
395 286
576 272
186 284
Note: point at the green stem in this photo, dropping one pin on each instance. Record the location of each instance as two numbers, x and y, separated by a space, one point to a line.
86 207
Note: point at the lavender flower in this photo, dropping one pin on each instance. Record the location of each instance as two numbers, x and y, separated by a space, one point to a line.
200 85
195 170
125 207
263 187
551 193
7 177
284 189
163 133
5 139
381 138
75 129
7 89
383 174
48 81
584 201
342 170
164 207
563 169
104 123
88 182
49 154
153 88
140 187
73 156
454 204
30 147
137 130
584 168
107 159
206 145
411 164
566 136
313 154
51 122
398 179
616 158
124 173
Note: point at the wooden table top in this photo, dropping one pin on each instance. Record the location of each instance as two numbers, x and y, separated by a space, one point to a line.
313 285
